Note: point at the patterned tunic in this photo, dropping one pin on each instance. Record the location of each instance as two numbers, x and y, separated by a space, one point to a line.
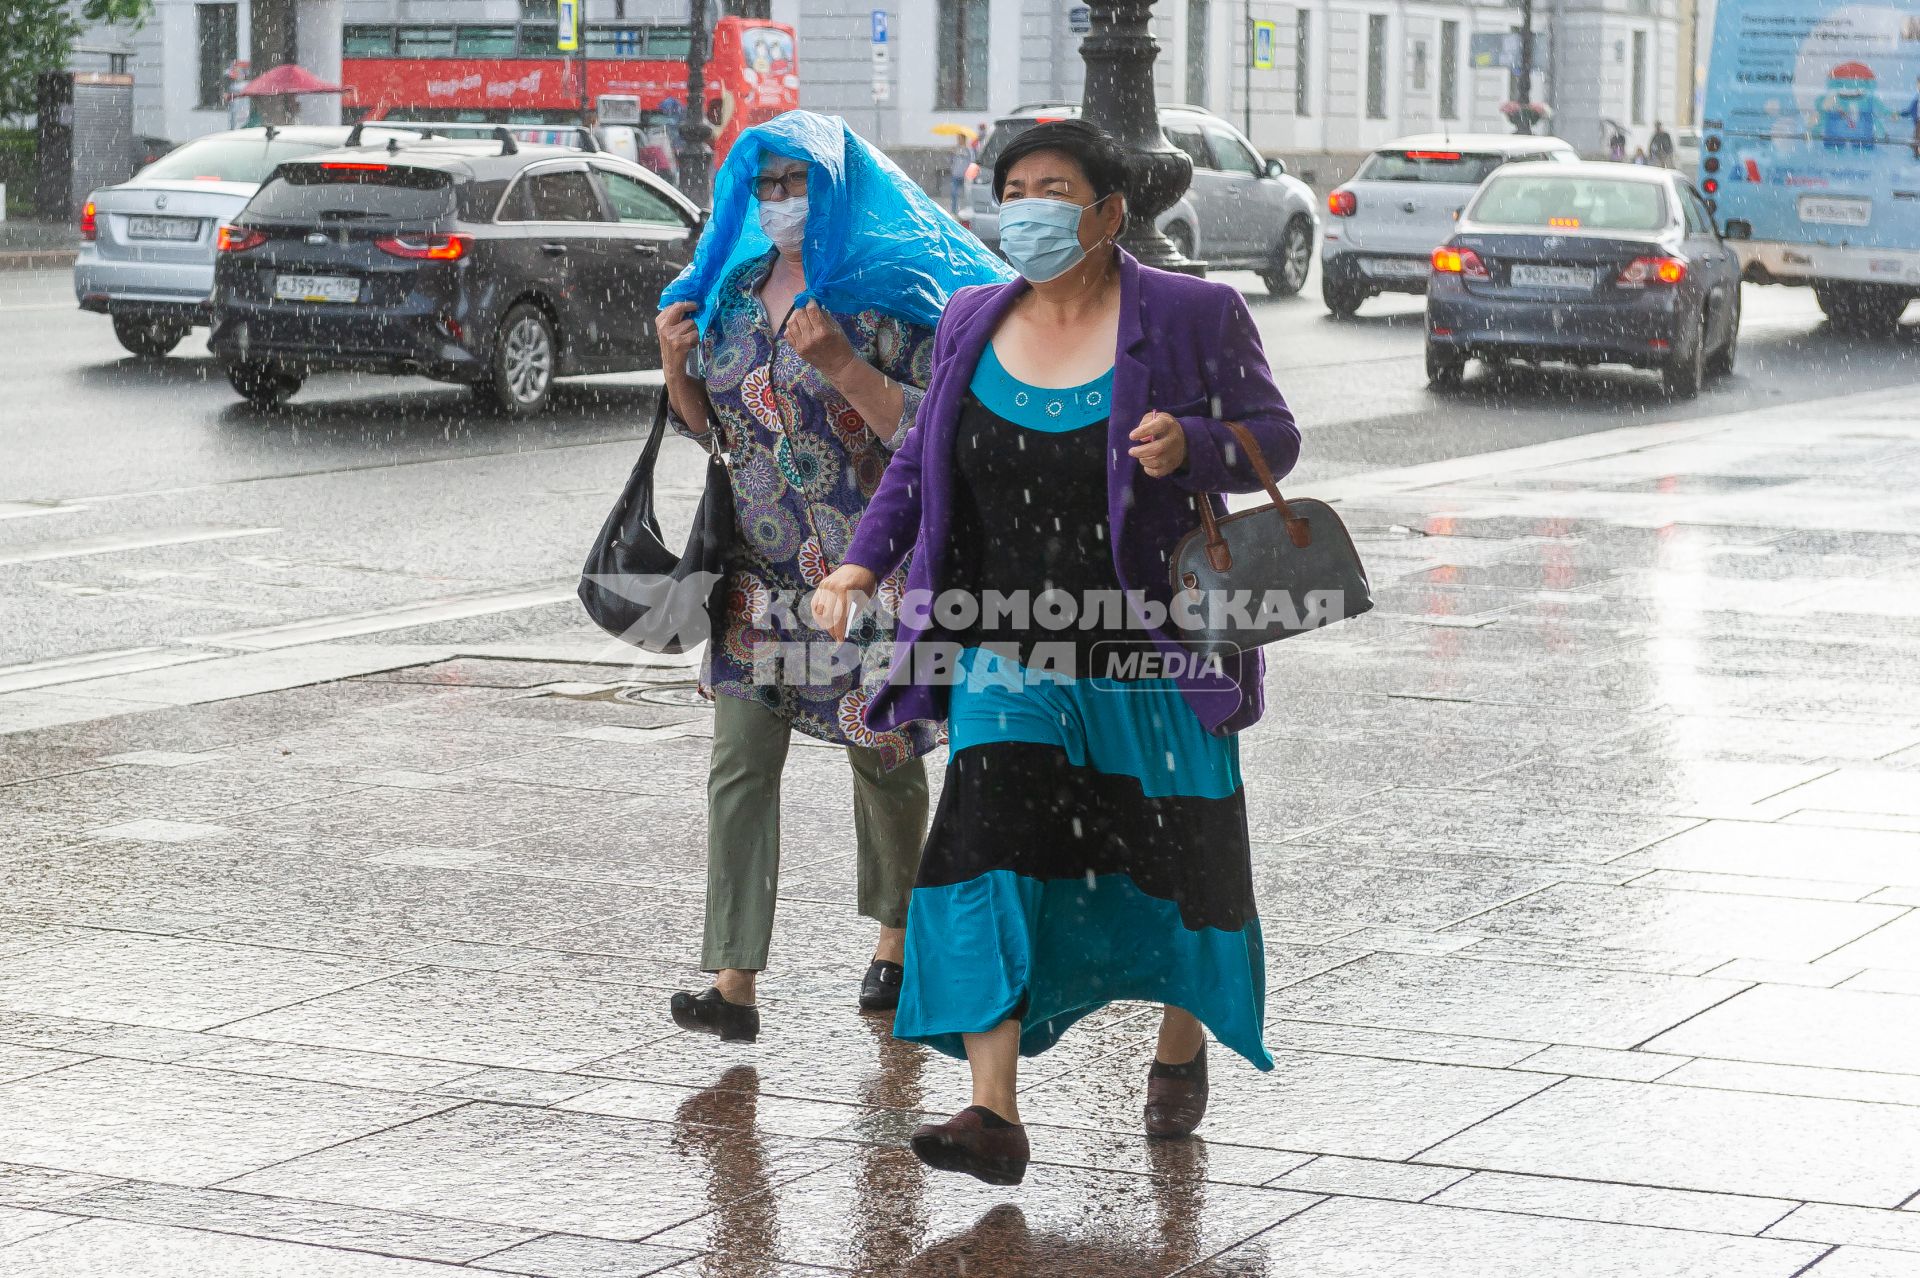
804 464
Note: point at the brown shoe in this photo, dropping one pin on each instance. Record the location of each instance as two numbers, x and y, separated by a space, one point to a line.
1177 1096
976 1141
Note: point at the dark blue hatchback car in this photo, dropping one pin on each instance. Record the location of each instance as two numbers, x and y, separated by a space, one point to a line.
1590 263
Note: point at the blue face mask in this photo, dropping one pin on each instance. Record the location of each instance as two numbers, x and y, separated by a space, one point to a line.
1042 237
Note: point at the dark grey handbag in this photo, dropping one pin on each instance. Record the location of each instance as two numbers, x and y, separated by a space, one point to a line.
1273 572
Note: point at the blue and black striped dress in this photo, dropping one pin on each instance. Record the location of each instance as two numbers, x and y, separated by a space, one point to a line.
1091 839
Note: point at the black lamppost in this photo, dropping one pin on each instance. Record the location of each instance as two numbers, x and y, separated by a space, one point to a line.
1119 54
696 135
1525 116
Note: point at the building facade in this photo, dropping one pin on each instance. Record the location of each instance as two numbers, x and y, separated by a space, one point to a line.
1346 74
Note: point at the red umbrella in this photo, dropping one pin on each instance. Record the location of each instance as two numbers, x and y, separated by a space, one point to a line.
283 80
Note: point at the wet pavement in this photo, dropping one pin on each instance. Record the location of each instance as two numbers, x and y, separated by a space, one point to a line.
1588 862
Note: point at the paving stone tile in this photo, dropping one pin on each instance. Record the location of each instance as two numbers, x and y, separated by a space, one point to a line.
1754 885
1424 819
329 1065
170 983
660 1102
128 1250
539 1169
41 1186
1697 922
24 1062
163 758
1405 1045
1352 1105
1652 783
1403 940
1497 1000
183 1126
17 936
158 830
1367 1178
1865 790
1693 1138
18 1223
139 1043
1820 975
1798 1080
1897 945
571 1256
1865 1262
1358 1238
1620 1204
1601 1062
887 1210
1854 1226
1784 1025
293 1220
1551 954
1788 851
485 1018
518 1086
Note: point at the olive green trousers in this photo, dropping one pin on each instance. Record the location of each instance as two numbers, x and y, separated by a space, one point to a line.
743 833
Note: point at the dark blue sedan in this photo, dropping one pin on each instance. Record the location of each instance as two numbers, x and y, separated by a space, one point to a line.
1585 264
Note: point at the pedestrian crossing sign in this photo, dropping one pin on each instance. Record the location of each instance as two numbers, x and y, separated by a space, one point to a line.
569 16
1263 37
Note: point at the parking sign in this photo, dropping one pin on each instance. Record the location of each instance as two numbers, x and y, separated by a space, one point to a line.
1263 35
879 26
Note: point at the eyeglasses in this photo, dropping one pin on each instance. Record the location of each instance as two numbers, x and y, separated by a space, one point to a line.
789 184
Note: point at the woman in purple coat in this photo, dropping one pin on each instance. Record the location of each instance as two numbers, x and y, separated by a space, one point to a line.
1091 839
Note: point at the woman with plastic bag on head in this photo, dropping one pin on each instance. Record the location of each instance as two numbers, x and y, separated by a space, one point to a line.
803 333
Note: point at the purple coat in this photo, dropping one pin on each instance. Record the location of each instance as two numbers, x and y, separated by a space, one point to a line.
1187 347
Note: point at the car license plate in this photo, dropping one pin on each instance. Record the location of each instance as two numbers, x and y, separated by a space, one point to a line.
316 288
1828 210
1398 267
143 227
1552 277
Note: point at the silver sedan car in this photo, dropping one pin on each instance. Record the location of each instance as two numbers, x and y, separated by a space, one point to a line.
1240 211
148 244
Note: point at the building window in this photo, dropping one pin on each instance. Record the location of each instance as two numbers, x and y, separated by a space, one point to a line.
219 46
1377 66
1302 63
1449 70
961 83
1639 102
1420 66
1198 30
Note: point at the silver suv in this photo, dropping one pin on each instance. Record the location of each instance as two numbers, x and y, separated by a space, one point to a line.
1241 211
1402 204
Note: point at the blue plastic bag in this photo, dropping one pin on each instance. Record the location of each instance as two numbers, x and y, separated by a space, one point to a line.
873 240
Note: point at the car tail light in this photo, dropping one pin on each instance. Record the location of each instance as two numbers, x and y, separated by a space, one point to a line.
1652 270
1445 156
1459 261
1342 204
238 239
426 248
358 166
89 222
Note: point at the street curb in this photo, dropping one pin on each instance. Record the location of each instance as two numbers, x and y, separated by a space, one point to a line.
37 259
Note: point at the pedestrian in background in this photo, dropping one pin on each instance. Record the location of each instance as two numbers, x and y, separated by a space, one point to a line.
809 400
1660 146
959 166
1091 841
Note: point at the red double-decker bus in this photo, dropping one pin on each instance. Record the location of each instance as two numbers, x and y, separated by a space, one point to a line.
512 73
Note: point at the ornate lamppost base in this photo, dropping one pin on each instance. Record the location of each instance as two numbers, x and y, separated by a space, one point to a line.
1119 53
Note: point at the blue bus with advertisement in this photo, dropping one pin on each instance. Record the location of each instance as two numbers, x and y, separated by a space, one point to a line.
1810 149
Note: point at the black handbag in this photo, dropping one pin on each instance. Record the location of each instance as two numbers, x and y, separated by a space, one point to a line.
1260 575
639 590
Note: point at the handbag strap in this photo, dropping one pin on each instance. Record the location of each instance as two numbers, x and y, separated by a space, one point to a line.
1219 554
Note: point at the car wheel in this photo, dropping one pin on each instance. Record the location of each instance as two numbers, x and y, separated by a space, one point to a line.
149 335
1445 369
1343 300
1861 310
1291 260
1182 236
1721 365
1687 369
265 386
525 355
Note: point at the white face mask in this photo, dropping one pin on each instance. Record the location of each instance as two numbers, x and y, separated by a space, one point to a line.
785 222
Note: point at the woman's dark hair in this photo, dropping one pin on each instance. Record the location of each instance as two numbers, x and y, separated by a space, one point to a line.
1086 144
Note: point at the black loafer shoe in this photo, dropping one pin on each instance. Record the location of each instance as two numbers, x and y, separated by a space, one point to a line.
709 1013
880 988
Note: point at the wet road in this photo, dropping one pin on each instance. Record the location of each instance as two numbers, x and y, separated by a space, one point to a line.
142 504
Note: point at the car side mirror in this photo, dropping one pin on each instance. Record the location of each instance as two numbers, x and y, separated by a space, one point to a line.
1276 168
